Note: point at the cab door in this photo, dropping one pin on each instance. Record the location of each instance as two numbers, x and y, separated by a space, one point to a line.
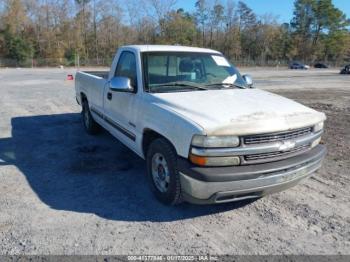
119 106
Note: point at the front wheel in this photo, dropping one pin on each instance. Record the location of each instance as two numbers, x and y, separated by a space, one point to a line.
162 172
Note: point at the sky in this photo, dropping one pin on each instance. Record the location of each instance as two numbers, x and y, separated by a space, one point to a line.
283 9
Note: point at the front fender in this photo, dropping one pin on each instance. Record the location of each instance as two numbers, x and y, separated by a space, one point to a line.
171 125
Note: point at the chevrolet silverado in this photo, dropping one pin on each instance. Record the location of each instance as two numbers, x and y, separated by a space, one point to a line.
206 134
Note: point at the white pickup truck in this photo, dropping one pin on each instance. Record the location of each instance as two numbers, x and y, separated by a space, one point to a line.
207 135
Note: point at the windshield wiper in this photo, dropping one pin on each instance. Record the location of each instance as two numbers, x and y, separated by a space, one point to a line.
181 84
226 84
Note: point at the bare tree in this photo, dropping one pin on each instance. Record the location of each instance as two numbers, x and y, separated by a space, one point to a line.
202 16
161 8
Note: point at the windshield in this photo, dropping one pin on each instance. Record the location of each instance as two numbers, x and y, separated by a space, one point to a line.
183 71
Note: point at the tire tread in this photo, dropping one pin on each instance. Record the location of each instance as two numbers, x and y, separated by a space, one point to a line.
175 196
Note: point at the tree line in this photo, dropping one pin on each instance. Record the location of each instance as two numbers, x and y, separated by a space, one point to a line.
53 32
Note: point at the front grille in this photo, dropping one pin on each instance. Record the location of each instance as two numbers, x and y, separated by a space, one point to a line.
273 156
273 137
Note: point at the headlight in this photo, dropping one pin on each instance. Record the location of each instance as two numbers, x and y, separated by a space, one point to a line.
215 161
215 141
318 127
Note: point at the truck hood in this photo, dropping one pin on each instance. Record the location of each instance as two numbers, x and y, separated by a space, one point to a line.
239 111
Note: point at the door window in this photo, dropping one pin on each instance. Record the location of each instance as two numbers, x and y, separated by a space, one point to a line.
127 67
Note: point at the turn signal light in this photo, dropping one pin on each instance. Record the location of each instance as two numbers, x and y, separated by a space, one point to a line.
198 160
215 161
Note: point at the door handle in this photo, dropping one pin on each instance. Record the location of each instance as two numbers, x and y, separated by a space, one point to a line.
109 96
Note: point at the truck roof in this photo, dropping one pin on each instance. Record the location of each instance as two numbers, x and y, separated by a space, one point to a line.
171 48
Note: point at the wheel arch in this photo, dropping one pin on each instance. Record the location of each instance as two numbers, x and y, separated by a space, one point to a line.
83 97
148 136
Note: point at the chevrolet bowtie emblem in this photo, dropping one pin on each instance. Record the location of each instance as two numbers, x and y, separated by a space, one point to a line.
286 146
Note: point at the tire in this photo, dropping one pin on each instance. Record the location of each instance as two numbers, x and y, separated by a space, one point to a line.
162 163
91 127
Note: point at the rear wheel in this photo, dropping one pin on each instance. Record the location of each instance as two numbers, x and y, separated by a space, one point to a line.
91 127
162 172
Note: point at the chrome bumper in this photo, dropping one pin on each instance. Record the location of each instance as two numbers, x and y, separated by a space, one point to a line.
273 177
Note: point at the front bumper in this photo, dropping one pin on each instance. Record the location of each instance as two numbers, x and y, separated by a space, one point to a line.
206 185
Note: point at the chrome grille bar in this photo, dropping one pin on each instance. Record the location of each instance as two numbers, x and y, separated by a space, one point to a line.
274 156
273 137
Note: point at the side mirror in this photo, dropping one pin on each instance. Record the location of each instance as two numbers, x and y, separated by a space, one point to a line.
121 84
249 80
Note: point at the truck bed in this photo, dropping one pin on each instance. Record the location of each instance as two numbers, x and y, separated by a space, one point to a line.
102 74
92 84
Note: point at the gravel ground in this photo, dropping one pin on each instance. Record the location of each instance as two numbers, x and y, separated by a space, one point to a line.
63 192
